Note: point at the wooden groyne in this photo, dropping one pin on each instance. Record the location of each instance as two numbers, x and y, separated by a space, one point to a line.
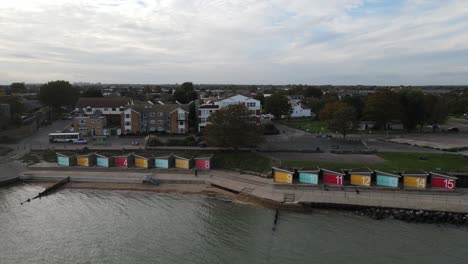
50 189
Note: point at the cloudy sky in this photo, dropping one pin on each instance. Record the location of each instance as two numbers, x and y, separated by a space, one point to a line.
235 41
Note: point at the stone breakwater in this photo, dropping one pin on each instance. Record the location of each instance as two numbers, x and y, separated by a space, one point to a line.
416 216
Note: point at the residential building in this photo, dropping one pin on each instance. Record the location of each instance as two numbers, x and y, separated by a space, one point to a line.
150 118
204 111
90 125
299 110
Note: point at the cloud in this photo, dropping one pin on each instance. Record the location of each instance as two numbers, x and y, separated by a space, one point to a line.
230 41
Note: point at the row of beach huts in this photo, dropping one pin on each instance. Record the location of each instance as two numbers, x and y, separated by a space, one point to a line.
415 179
137 160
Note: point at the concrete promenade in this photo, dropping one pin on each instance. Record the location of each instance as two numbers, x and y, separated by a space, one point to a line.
263 188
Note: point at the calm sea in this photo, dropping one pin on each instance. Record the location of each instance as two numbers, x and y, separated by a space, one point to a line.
89 226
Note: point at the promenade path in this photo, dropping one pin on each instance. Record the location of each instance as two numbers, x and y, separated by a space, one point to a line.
265 188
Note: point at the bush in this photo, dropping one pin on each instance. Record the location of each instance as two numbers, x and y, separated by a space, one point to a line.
153 141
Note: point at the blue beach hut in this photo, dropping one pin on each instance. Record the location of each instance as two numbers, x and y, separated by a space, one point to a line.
164 161
104 160
66 159
309 175
386 179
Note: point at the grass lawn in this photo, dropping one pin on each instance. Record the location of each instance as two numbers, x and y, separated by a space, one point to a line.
306 125
454 120
246 161
396 161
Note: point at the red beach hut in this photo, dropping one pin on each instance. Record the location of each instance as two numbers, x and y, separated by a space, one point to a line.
332 177
442 181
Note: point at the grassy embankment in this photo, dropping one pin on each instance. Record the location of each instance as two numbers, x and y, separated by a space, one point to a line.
395 161
306 125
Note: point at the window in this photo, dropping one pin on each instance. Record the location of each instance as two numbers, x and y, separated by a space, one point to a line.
160 114
127 123
251 104
181 123
152 128
152 114
144 115
113 109
160 122
127 115
106 109
181 116
152 122
99 120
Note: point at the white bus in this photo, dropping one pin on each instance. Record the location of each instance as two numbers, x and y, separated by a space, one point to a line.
64 137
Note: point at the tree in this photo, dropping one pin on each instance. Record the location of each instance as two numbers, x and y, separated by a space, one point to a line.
356 102
312 92
412 103
92 92
17 88
185 93
329 110
382 107
58 93
233 127
277 105
152 141
344 120
260 97
436 109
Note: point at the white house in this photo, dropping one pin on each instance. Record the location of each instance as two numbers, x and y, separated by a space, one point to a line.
299 110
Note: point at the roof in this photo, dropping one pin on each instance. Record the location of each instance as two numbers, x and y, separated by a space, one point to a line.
387 174
183 156
147 108
204 156
237 98
124 155
418 173
66 154
164 156
309 169
102 102
283 169
208 106
442 175
361 170
143 155
105 155
86 155
333 171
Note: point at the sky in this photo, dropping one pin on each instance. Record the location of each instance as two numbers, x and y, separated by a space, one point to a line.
369 42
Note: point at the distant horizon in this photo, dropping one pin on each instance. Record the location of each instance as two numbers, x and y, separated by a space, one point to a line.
334 42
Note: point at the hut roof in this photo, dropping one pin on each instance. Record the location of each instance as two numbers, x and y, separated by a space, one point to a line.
164 156
387 174
66 154
333 171
86 155
361 170
144 155
443 175
309 169
417 173
124 155
283 169
105 155
204 156
183 156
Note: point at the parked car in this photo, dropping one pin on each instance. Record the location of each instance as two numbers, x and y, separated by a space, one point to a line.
453 129
80 141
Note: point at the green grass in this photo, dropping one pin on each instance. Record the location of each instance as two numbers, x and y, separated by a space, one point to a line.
454 120
395 161
306 125
244 161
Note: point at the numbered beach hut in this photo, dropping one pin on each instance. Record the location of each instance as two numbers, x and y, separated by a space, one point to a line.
385 179
143 160
66 159
164 161
443 181
86 160
124 161
361 177
309 175
282 175
104 160
416 179
332 177
203 162
183 161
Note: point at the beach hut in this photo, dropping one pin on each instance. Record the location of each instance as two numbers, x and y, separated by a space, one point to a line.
66 159
183 161
309 175
282 175
361 177
86 160
443 181
164 161
386 179
143 160
104 160
415 179
203 162
332 177
124 161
